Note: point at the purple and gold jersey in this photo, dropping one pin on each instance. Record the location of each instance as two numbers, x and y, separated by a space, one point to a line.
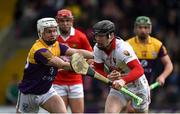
148 53
38 77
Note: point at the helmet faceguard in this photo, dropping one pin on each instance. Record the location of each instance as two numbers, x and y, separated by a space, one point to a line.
104 27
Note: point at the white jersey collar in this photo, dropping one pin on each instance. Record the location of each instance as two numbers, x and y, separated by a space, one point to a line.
72 33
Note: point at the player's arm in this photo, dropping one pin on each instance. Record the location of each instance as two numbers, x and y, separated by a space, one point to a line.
44 56
168 67
85 53
136 71
59 63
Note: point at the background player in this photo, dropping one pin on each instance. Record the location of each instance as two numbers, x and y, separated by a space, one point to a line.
148 49
40 70
120 58
69 84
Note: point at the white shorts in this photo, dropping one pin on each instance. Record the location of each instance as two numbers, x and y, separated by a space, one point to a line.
73 91
124 98
30 103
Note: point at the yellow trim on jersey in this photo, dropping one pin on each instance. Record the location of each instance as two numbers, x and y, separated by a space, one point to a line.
39 44
149 50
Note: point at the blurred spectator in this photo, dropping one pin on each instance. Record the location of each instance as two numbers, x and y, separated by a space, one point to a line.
25 18
12 91
171 38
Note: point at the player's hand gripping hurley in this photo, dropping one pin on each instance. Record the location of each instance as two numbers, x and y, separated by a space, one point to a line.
154 85
80 66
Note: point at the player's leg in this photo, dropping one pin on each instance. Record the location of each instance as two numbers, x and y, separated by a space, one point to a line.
52 102
62 91
77 105
18 103
76 98
112 104
26 103
66 101
55 104
129 108
115 102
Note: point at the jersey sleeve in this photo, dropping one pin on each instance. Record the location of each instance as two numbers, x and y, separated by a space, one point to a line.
63 49
43 56
85 43
135 72
126 53
162 51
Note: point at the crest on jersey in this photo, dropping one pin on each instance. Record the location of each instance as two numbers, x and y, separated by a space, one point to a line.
144 53
154 54
74 46
126 53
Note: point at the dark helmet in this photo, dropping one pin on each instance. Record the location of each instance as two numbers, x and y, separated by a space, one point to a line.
103 27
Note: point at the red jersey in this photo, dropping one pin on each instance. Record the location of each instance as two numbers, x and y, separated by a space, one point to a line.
77 40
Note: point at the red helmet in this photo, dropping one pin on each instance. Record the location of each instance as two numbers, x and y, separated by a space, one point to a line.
64 13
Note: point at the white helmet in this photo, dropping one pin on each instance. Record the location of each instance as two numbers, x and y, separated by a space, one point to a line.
44 23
